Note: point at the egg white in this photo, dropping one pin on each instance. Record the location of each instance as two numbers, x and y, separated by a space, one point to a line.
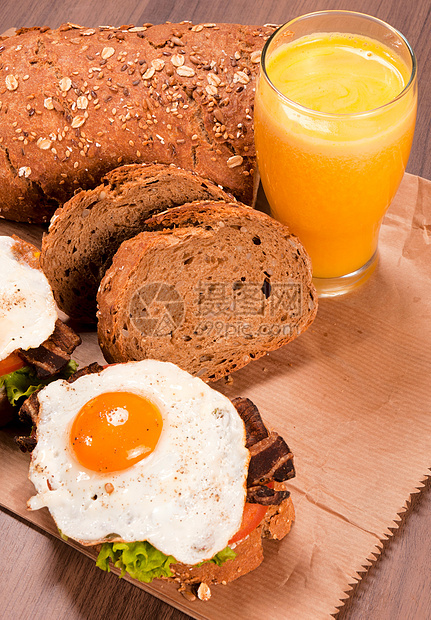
186 498
27 307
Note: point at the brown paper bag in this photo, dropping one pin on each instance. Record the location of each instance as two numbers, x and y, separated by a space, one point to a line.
351 396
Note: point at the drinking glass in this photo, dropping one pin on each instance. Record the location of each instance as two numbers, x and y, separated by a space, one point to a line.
331 176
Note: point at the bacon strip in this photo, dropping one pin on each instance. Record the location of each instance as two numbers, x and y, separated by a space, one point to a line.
53 354
27 444
255 429
29 410
86 370
270 457
261 494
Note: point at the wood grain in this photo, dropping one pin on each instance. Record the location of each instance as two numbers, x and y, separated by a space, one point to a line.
395 587
43 578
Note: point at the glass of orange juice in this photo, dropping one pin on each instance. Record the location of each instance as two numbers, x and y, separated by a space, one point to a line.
334 118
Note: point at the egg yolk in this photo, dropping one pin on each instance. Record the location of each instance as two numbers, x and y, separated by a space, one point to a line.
115 430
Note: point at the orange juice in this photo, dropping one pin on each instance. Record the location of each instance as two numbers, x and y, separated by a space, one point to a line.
333 139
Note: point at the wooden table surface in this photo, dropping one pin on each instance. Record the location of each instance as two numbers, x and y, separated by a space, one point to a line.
41 577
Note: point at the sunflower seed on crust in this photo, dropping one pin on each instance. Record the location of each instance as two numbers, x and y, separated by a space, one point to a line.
44 144
177 60
78 121
204 592
65 84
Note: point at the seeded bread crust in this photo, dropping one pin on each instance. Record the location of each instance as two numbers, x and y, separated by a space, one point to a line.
223 286
195 580
77 102
86 232
249 552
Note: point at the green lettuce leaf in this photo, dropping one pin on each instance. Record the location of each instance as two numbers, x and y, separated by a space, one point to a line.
143 561
23 382
223 556
140 559
70 368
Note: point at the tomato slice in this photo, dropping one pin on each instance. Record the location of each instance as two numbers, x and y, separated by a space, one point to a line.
251 517
11 363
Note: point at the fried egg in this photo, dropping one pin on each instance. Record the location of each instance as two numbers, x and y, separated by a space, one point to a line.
141 451
27 307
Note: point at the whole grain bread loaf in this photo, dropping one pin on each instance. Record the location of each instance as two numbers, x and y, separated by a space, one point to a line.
86 232
77 102
211 287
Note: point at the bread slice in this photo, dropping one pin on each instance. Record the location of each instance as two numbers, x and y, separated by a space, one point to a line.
195 580
86 232
249 555
211 287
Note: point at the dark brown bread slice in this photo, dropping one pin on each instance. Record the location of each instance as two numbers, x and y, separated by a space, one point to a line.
223 287
87 231
249 554
76 102
195 580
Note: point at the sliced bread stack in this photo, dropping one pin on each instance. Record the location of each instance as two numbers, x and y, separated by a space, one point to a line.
186 274
209 286
86 232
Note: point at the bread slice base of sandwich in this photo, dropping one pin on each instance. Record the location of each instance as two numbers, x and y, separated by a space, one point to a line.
196 580
269 469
